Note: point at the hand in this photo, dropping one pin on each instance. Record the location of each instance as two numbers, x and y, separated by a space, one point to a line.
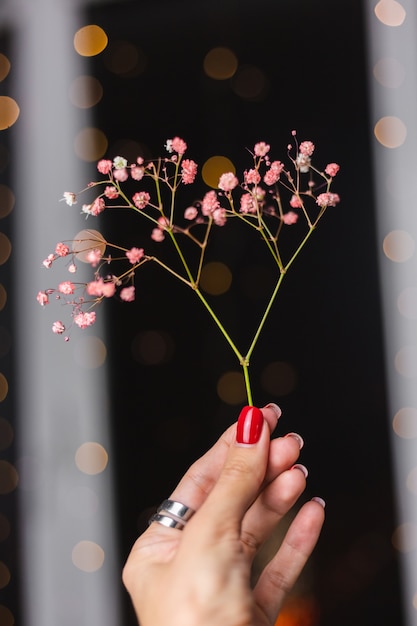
240 489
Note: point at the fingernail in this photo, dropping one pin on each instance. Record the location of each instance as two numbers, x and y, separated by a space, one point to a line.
275 408
298 439
302 468
319 500
249 425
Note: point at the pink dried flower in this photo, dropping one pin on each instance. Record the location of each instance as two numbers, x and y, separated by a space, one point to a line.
72 268
157 235
188 171
111 192
306 148
327 199
100 288
48 261
219 216
70 198
252 177
248 203
93 257
61 249
97 207
274 172
290 218
134 255
121 175
137 173
42 298
261 149
85 319
295 202
66 287
190 213
162 222
104 166
58 328
178 145
127 294
303 162
228 181
141 199
332 169
210 203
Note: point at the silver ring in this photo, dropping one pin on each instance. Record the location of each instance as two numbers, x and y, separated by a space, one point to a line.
176 509
167 521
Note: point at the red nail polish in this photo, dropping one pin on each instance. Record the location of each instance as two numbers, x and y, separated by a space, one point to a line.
249 425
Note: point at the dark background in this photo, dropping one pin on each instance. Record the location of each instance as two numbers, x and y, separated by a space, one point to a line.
326 322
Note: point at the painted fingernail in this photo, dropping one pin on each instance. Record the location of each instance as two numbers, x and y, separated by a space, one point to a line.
275 408
249 425
319 500
298 439
302 468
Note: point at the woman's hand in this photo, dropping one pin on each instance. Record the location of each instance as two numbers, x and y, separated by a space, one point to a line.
240 489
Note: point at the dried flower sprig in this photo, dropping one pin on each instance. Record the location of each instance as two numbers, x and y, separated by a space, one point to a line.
268 198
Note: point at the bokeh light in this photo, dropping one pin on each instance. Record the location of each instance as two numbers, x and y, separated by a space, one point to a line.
4 66
398 246
390 131
251 83
6 434
214 167
231 388
3 297
9 112
9 477
220 63
389 72
90 40
6 616
7 200
89 352
4 387
390 12
91 458
406 361
125 59
152 347
5 248
85 240
216 278
85 92
88 556
404 423
407 303
90 144
404 537
279 378
4 575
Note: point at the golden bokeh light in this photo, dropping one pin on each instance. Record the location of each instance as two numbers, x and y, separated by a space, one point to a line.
389 72
88 556
220 63
85 92
231 388
7 200
3 297
251 83
9 112
125 59
214 167
279 378
152 347
407 303
406 361
89 352
4 575
90 40
216 278
4 66
91 458
4 387
86 240
9 477
404 423
4 527
390 131
399 246
6 434
6 616
390 12
411 481
404 537
90 144
5 248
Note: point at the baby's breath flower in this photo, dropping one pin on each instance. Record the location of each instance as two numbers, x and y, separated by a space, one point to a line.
70 198
119 163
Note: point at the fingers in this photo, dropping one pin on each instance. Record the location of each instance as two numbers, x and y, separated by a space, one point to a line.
279 576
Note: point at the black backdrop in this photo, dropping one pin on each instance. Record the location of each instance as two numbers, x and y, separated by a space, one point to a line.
326 322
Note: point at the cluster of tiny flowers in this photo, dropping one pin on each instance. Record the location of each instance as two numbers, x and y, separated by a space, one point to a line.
261 194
